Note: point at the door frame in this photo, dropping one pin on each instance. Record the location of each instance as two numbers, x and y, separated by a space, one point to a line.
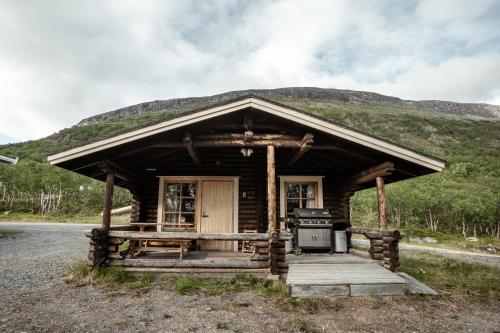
198 179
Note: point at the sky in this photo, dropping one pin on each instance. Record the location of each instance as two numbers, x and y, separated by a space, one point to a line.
62 61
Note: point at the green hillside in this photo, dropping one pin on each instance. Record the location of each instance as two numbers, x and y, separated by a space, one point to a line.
466 196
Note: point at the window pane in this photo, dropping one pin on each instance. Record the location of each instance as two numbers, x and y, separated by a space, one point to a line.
172 218
172 197
187 218
188 205
291 204
293 190
173 190
308 190
308 203
189 190
172 204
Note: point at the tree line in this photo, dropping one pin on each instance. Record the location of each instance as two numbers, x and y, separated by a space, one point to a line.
38 188
457 200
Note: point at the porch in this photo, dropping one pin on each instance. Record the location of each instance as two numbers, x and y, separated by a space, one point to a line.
107 248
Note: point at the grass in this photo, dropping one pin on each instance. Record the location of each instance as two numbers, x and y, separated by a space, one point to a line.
212 286
274 290
454 277
9 233
62 218
278 292
302 325
109 278
444 240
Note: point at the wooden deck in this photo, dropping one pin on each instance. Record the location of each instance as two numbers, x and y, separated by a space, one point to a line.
318 275
208 263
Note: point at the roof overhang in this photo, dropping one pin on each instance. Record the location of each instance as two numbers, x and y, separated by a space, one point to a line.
262 105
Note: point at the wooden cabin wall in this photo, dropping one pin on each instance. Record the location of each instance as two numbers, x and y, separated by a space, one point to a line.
252 172
215 163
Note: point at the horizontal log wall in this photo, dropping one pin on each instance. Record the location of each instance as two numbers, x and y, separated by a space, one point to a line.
216 163
252 210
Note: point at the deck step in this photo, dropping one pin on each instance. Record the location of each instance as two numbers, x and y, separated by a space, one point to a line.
343 279
417 287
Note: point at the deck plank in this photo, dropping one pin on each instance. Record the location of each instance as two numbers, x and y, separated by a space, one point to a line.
317 276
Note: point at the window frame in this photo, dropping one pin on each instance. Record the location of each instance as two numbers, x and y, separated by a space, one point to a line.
284 180
180 211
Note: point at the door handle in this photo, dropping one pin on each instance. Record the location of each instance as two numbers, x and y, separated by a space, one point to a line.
204 214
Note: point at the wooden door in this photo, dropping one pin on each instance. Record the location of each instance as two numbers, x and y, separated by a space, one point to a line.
217 212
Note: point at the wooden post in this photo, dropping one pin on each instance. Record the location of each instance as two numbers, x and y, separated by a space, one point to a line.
271 189
382 219
108 200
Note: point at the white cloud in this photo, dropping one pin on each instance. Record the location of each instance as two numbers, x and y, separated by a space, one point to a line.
61 62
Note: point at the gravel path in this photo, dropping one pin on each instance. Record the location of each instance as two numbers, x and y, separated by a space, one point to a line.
34 298
474 257
39 253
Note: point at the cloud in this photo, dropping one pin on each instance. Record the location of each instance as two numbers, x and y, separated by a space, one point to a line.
61 62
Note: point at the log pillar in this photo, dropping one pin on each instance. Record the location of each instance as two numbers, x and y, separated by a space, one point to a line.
108 200
382 218
271 189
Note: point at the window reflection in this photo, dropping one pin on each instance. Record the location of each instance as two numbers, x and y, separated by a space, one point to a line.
180 205
300 195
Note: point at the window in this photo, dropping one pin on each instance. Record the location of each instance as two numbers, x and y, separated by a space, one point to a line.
300 192
180 205
300 195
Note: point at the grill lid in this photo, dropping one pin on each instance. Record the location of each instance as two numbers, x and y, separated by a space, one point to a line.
316 213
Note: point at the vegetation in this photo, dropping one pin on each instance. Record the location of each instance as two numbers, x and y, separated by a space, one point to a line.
463 200
108 278
185 284
454 277
9 233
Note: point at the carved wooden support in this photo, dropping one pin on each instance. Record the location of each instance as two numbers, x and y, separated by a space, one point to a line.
307 143
381 170
188 144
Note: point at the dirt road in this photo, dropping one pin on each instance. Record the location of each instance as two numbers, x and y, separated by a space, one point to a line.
34 298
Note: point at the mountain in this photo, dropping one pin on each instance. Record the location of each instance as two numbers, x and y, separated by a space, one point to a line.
296 95
465 198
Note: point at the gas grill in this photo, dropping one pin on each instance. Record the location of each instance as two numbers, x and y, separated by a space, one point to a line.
315 228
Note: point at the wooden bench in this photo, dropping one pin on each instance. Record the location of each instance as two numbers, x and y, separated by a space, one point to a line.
171 246
177 246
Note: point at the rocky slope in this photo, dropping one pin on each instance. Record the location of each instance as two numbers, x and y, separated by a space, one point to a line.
347 97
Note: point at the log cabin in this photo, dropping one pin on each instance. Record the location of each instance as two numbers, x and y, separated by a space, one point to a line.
211 187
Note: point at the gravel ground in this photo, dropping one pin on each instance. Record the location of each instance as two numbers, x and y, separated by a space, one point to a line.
34 298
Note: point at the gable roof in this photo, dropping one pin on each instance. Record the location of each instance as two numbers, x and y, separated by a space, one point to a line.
263 105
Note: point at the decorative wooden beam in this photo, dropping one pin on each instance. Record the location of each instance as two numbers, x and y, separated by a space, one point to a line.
239 136
307 142
382 219
271 189
239 140
381 170
188 143
108 200
250 143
